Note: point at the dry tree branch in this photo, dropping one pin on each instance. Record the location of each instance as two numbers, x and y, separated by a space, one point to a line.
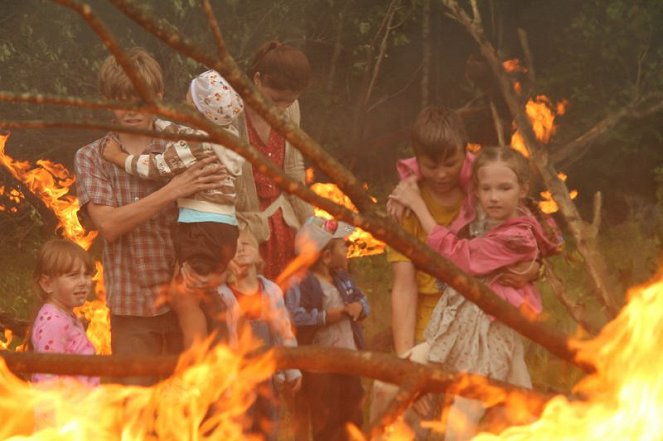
572 151
604 287
577 312
225 65
369 218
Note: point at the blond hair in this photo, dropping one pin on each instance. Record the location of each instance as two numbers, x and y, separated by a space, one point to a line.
507 155
438 133
115 84
60 256
55 258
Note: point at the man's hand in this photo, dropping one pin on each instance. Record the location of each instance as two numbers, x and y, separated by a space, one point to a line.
353 310
112 152
206 174
520 274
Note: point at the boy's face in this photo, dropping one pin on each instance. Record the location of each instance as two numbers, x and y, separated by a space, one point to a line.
133 119
441 176
338 257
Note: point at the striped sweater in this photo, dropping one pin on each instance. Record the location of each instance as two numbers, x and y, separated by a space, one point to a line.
179 156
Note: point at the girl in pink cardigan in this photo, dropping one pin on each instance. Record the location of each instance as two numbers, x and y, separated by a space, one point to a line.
63 276
500 232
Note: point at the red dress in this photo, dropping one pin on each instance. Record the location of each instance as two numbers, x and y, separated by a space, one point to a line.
279 249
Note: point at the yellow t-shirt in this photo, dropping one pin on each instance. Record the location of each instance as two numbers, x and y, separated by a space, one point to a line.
428 292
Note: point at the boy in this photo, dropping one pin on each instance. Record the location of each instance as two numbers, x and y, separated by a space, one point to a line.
438 139
326 307
135 218
207 230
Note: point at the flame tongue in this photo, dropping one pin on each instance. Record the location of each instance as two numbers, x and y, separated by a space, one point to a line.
624 399
362 243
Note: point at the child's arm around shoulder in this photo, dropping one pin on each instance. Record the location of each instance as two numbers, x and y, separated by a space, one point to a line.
408 194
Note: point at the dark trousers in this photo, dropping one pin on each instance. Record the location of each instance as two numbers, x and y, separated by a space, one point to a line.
333 400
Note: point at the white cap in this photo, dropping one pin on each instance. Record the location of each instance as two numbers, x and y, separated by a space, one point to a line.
215 98
317 232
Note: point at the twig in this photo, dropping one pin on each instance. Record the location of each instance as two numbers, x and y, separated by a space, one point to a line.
86 12
499 129
594 261
529 60
370 218
577 312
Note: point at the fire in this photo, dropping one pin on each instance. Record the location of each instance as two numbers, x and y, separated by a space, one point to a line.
623 400
206 398
541 113
361 242
50 182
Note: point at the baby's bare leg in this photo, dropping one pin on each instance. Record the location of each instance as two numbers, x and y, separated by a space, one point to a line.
185 302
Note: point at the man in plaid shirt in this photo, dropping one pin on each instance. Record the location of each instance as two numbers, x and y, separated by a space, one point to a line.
136 218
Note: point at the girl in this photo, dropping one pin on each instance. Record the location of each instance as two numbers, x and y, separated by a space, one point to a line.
501 232
63 279
253 300
280 72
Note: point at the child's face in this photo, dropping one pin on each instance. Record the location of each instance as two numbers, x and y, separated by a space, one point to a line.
247 251
499 191
133 119
281 98
69 290
338 258
441 177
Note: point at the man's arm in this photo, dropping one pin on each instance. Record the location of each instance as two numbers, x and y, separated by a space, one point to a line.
403 306
113 222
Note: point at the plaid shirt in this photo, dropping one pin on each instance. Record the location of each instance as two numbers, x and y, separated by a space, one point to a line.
139 263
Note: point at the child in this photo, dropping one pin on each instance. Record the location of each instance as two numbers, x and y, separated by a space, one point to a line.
438 139
253 300
63 279
501 232
207 226
327 307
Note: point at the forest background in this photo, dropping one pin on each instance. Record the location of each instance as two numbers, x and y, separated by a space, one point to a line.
376 64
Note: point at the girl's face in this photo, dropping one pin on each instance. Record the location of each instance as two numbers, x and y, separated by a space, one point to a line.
441 177
499 191
68 290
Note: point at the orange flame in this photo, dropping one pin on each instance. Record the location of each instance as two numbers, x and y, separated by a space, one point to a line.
361 242
203 399
51 182
623 400
541 114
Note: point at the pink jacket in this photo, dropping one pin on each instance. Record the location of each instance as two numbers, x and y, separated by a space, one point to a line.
518 240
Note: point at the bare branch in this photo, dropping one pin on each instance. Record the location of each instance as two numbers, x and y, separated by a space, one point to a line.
571 152
499 129
107 39
529 60
604 285
577 312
